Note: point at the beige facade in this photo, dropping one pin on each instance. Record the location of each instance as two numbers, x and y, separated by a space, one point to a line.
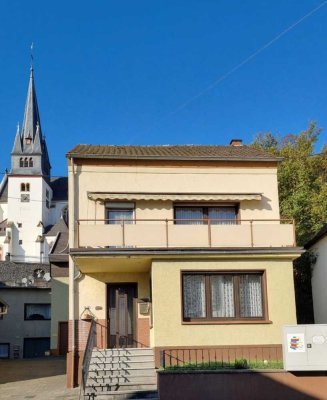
154 249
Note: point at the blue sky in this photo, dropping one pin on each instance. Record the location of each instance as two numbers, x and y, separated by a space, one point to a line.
116 71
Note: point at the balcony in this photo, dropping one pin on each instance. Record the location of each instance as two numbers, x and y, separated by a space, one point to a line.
169 233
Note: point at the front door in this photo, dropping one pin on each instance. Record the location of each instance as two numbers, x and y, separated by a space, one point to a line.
120 314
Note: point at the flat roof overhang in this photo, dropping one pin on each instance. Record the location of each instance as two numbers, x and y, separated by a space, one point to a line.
139 260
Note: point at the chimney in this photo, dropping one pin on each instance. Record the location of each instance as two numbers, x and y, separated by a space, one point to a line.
236 142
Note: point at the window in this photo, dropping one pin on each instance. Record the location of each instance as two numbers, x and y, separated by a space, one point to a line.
24 187
30 162
199 215
21 162
19 224
47 201
117 213
37 312
223 296
25 162
20 241
4 350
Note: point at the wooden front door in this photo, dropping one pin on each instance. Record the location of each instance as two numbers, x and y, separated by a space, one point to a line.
63 338
120 314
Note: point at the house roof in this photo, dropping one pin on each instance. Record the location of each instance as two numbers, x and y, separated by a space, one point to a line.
4 190
3 225
175 152
319 235
60 248
12 275
59 186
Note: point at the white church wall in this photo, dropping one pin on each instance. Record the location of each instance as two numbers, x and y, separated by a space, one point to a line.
25 216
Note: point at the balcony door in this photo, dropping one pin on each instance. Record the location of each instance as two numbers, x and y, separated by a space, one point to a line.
121 314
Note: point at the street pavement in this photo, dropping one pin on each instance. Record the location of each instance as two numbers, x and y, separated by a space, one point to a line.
37 379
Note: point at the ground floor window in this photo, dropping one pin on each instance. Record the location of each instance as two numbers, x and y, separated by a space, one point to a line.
4 350
223 296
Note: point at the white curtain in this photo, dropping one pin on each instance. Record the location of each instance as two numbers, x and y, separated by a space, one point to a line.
194 296
222 296
38 311
251 296
189 216
222 215
116 217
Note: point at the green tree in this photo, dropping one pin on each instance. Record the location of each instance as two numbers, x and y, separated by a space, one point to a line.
302 178
302 184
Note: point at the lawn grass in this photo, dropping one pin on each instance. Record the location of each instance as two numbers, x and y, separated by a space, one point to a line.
237 364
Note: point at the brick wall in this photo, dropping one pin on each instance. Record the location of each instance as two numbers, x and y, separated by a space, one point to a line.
82 329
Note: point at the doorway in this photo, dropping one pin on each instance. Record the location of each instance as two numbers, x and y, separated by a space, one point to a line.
120 314
36 347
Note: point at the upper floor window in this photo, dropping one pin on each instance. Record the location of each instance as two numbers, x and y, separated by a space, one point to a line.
199 215
26 162
118 213
24 187
37 311
223 296
47 200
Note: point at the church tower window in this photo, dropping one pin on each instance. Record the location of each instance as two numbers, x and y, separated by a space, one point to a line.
30 163
21 162
25 162
24 187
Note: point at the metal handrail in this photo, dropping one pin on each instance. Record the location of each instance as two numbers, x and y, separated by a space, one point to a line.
290 220
90 344
209 222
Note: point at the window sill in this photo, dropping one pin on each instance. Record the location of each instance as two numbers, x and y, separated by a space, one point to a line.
239 322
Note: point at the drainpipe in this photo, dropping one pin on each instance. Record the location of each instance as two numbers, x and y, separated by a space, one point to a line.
71 196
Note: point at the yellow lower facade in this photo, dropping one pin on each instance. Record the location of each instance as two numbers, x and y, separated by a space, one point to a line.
160 280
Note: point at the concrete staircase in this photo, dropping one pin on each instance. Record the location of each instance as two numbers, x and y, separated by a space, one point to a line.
119 374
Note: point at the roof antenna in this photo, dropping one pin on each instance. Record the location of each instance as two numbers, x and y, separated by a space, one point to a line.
31 55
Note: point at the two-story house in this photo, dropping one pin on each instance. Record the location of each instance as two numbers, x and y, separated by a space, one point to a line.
177 247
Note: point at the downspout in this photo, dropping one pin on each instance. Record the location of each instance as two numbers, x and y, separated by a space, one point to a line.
71 209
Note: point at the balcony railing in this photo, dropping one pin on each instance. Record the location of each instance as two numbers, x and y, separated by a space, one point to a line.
187 233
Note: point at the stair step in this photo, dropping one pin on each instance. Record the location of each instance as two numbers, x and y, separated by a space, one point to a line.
110 389
95 365
128 351
125 394
122 380
122 372
122 358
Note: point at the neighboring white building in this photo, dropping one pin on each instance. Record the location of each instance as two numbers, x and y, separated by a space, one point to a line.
31 206
318 246
31 201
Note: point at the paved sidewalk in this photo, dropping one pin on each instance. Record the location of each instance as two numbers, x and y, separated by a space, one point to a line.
37 379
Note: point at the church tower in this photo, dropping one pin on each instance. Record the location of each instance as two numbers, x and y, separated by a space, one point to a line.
30 191
30 155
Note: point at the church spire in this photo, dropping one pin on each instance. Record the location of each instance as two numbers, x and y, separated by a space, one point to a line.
31 116
30 154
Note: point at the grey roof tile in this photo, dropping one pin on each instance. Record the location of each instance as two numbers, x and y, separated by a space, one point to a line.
183 152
